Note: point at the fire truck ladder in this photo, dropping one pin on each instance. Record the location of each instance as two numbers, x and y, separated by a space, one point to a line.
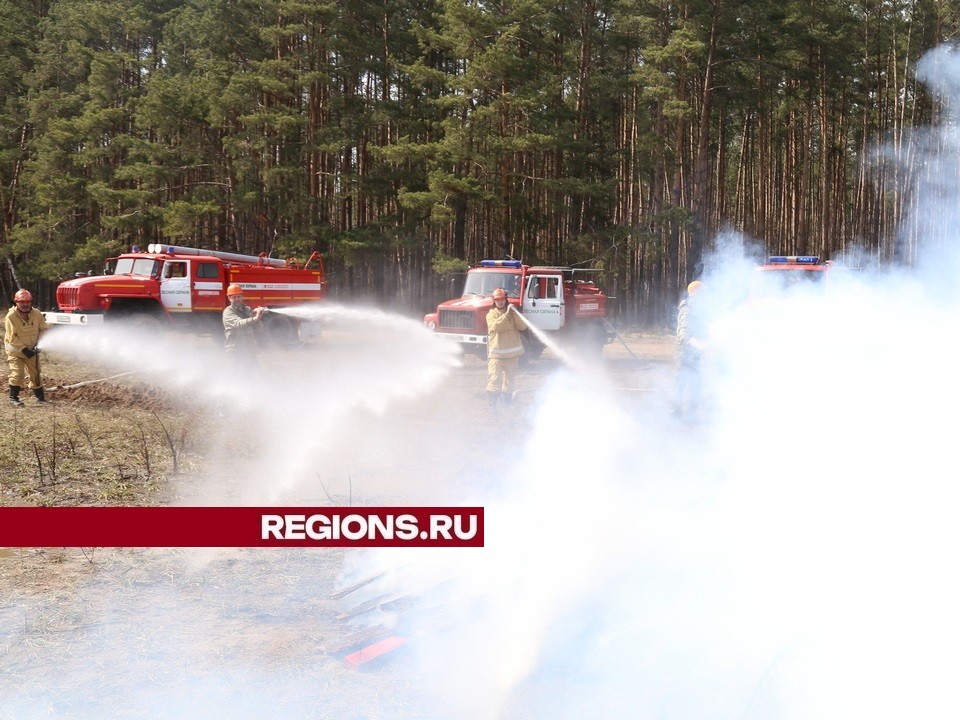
226 256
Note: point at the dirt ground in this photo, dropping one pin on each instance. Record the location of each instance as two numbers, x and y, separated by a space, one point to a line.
63 611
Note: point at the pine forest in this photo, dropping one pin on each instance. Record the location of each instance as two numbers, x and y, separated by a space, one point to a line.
410 138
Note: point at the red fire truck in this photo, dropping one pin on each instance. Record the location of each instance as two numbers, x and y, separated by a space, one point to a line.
175 285
550 298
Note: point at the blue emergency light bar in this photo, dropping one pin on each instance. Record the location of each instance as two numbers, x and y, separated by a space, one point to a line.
501 263
793 260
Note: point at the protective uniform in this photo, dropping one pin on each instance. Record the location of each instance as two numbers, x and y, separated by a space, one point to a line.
691 337
503 352
20 333
239 328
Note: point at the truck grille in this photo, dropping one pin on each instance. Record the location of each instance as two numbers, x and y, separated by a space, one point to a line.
68 298
459 319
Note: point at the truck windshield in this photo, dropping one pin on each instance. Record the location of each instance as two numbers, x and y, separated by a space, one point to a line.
137 266
484 283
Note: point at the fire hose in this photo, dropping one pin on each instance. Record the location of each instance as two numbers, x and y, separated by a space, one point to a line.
92 382
518 314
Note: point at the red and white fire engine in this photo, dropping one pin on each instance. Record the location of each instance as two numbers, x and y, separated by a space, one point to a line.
550 298
177 285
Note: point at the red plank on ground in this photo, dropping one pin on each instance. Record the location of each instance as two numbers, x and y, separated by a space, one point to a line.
377 650
357 639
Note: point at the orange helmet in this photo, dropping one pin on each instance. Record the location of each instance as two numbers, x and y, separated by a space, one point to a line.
234 289
499 294
23 296
694 287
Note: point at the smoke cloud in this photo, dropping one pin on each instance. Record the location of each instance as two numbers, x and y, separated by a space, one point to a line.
789 557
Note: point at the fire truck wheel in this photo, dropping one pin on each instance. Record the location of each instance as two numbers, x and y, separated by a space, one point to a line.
280 330
591 338
598 337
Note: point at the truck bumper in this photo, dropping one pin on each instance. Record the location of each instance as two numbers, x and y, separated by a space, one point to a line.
72 319
464 339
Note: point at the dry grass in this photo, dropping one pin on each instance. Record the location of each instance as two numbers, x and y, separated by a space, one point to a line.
108 443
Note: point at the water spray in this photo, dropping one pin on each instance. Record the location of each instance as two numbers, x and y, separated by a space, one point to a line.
564 357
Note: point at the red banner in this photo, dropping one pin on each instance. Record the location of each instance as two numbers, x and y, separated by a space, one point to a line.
240 527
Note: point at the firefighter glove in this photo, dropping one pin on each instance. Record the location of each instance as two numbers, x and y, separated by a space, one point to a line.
29 352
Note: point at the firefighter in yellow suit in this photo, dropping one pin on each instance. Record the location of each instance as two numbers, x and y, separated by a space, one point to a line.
503 348
23 327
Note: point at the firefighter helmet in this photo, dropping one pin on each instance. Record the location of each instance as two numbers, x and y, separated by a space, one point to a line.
499 294
694 287
234 289
23 296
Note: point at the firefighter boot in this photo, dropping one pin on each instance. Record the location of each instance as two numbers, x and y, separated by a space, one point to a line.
506 397
38 393
15 396
492 399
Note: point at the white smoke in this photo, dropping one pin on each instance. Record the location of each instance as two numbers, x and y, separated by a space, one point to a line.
790 558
